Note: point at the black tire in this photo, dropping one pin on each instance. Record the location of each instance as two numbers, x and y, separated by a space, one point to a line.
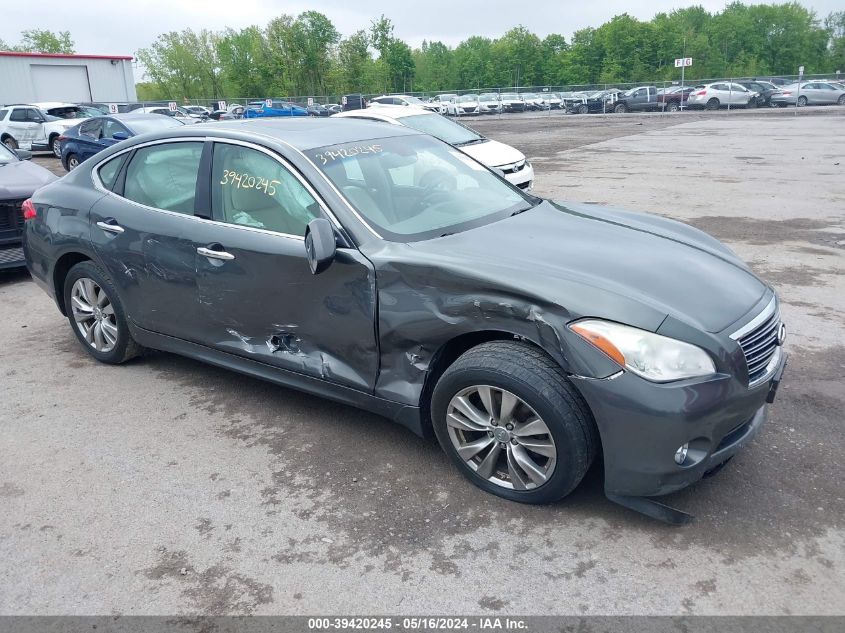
10 143
620 108
125 347
583 109
72 162
55 146
531 375
674 106
802 101
713 104
841 100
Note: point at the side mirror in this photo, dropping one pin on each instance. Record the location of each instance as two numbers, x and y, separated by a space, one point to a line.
120 136
320 245
23 154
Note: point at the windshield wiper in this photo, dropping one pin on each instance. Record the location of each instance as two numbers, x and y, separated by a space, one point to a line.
469 142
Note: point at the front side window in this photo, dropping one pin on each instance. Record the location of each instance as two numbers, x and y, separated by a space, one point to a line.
164 176
416 187
112 127
251 188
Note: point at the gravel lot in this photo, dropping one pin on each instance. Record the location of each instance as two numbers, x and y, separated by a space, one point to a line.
166 486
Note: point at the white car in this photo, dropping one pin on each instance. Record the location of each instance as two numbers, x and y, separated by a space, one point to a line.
27 126
720 94
403 100
442 101
489 103
465 104
180 115
509 160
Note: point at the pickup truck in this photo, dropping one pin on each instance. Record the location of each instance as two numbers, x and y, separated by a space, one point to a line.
639 99
673 98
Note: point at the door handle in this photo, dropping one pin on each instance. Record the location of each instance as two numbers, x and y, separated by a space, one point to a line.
110 227
212 254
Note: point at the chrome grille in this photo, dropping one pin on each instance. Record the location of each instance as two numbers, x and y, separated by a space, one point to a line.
759 342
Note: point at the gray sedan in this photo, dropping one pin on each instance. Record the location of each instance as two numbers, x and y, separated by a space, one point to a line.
809 93
382 268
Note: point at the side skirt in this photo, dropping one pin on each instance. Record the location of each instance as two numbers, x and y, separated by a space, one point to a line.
406 415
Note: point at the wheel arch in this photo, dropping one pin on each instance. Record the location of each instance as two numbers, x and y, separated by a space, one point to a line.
449 352
60 273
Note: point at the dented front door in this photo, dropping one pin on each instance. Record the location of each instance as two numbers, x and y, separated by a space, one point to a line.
265 304
256 292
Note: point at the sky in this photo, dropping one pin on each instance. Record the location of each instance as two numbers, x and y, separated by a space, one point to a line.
121 28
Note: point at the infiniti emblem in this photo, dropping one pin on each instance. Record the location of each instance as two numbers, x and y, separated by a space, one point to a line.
781 333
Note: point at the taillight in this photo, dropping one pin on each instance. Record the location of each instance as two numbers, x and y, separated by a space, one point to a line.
700 93
28 209
62 138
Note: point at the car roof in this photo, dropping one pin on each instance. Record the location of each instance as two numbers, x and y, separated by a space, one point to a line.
307 133
385 113
47 105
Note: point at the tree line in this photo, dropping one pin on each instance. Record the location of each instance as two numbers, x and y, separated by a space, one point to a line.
306 55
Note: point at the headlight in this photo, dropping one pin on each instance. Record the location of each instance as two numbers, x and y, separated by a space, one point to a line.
654 357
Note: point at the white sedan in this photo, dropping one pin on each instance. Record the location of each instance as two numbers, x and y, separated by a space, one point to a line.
504 158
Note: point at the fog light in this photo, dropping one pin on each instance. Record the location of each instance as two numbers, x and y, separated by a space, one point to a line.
681 454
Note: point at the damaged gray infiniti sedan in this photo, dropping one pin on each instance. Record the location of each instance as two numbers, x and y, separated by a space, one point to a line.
383 268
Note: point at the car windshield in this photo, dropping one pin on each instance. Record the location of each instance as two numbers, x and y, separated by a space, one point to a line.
441 127
151 124
466 98
488 98
414 100
6 155
416 187
510 96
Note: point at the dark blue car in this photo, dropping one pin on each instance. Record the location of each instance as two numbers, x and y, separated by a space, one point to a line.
94 135
259 109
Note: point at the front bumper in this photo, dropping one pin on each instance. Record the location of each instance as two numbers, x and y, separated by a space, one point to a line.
524 178
642 424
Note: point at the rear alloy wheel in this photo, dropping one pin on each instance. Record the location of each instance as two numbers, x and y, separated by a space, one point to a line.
72 162
713 104
11 143
583 109
841 100
620 108
56 146
674 106
508 417
802 101
96 315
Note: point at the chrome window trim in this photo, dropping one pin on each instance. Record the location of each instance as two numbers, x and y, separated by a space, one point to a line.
761 318
95 176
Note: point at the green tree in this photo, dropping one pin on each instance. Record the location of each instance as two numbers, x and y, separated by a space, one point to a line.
42 41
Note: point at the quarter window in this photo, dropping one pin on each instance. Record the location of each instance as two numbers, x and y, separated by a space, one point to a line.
250 188
164 176
108 172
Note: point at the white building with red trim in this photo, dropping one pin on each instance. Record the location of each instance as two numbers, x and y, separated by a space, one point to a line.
37 77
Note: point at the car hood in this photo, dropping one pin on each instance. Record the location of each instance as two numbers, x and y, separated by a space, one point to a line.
493 153
22 178
607 263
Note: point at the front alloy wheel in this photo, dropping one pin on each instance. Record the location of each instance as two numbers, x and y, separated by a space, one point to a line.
94 315
501 438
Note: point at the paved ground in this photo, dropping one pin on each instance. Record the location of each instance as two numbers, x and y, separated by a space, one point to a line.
166 486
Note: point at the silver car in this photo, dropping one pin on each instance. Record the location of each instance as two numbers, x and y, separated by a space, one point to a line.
721 94
809 93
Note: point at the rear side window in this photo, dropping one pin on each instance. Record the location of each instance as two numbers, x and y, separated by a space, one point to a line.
3 114
18 114
164 176
108 172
